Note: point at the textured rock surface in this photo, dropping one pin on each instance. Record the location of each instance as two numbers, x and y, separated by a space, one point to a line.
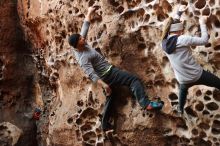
17 77
9 134
128 33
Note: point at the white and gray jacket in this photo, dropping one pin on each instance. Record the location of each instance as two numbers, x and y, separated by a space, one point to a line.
186 69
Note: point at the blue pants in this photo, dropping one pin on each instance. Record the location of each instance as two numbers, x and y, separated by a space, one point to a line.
206 78
117 77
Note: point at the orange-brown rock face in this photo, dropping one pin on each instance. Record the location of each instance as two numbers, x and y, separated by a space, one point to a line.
128 33
17 78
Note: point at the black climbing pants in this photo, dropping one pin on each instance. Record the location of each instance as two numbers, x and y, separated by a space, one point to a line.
117 77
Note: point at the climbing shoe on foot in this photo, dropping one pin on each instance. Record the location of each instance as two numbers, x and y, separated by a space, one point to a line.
153 105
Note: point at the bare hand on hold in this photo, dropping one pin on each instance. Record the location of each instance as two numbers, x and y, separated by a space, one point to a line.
182 8
92 9
96 7
107 89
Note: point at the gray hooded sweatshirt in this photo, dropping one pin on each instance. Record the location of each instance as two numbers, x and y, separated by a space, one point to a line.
186 69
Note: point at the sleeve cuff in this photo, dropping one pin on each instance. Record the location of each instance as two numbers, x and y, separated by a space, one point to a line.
87 23
95 79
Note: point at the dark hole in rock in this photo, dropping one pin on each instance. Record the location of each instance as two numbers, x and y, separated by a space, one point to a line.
183 2
140 13
199 106
204 126
207 98
141 46
146 18
63 34
215 131
195 131
208 45
79 111
216 95
89 135
209 92
197 13
173 96
216 124
79 121
91 2
200 4
76 10
212 106
198 93
151 115
2 127
202 134
148 1
174 103
86 127
53 114
217 48
114 3
167 6
89 113
70 121
120 9
206 12
217 116
203 53
205 112
191 112
161 17
80 103
217 23
165 58
92 141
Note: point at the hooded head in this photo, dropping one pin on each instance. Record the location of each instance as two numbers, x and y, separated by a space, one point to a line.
175 28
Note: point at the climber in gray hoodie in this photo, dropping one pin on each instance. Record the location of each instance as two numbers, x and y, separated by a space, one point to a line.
177 48
103 73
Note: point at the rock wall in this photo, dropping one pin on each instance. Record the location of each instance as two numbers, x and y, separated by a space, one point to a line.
9 134
17 78
128 33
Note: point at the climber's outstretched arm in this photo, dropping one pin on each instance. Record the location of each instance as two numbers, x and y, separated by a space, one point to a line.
86 24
